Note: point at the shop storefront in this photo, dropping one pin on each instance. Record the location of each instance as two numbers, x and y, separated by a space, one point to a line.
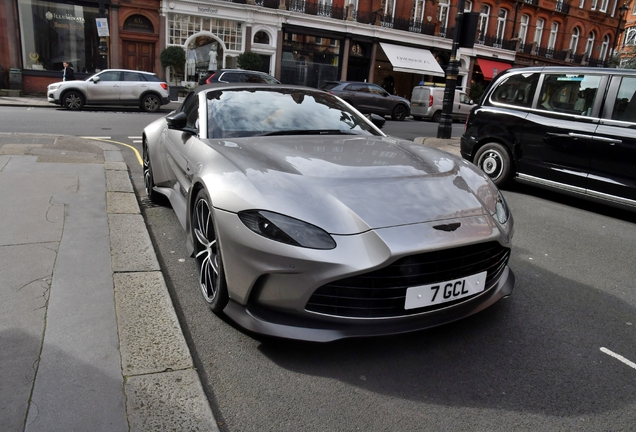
309 59
52 33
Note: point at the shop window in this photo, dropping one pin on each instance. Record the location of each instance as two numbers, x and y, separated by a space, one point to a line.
53 33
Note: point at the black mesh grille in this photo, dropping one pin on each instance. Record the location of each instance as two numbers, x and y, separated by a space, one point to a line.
381 293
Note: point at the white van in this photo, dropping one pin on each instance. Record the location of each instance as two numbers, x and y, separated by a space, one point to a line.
427 102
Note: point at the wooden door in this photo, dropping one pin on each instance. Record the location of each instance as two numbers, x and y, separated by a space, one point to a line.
139 56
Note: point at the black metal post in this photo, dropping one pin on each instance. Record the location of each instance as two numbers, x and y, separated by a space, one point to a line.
102 47
621 14
445 128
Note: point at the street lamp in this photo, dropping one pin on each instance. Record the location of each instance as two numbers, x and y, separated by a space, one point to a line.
622 11
445 127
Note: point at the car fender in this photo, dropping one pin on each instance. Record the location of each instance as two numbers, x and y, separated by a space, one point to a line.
485 130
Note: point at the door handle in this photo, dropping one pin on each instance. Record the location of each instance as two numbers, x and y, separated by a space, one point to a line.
610 141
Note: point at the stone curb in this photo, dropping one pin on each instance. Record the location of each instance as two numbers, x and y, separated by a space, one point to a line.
162 388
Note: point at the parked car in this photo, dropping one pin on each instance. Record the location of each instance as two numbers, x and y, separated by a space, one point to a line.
112 87
427 103
369 98
570 129
307 222
237 76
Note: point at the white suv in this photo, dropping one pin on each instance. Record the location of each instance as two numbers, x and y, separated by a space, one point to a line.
112 87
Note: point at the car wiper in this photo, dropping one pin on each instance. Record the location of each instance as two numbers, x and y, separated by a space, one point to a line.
309 132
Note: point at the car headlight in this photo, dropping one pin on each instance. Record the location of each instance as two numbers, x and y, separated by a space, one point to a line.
286 230
502 212
53 87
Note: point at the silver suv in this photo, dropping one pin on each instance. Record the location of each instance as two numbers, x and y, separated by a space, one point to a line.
112 87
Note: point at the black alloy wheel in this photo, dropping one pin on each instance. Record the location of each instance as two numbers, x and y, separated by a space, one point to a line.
399 112
149 180
207 253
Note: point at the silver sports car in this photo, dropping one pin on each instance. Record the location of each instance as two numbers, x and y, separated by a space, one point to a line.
307 222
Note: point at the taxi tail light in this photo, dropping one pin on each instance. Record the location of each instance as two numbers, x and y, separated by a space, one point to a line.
164 86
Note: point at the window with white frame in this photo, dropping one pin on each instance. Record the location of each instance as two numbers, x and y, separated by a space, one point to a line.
594 5
604 4
181 27
442 13
501 23
538 31
523 28
484 14
574 40
468 6
589 46
604 48
389 8
582 4
554 30
630 36
418 11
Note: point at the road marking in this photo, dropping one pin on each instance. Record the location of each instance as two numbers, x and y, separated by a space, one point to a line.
107 139
98 137
134 137
619 357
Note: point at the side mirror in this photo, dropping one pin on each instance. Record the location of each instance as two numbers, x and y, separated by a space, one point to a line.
377 120
95 79
177 120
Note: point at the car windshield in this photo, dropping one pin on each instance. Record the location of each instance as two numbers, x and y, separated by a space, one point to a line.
280 111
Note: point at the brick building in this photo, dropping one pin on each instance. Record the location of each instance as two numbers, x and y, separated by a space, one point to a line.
302 41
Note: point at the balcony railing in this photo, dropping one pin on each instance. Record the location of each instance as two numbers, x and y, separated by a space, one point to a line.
562 7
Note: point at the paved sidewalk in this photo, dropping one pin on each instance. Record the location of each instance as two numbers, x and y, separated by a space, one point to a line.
88 334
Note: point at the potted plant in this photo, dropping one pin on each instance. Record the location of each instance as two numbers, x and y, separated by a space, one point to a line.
173 58
249 61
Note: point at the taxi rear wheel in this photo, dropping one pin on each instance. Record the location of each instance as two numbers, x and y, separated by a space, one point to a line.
494 160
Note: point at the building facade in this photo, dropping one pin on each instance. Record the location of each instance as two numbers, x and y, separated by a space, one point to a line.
394 43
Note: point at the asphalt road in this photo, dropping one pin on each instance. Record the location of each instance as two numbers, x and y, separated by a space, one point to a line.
554 356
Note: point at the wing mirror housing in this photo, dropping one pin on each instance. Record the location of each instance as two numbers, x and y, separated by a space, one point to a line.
95 79
377 120
177 120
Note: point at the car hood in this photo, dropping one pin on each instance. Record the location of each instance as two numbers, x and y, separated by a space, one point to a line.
345 185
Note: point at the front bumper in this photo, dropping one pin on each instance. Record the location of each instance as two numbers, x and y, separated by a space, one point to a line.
271 283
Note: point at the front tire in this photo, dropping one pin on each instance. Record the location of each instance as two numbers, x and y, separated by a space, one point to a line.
150 103
73 100
494 160
399 112
207 253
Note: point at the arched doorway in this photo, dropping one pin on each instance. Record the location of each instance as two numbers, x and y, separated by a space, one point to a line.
204 53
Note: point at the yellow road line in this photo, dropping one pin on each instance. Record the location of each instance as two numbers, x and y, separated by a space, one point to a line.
141 162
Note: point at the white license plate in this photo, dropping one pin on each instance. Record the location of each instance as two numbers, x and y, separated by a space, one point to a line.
427 295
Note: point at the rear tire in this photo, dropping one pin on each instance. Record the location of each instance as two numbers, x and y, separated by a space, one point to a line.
150 103
73 100
494 160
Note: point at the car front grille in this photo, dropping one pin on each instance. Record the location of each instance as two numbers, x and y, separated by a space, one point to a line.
381 293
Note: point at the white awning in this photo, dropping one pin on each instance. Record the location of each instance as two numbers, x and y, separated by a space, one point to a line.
412 60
